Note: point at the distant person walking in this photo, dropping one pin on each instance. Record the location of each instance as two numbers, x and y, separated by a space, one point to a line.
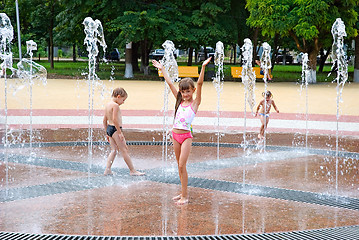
264 107
262 70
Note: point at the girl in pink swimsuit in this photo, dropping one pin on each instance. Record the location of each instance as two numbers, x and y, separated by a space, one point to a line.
185 110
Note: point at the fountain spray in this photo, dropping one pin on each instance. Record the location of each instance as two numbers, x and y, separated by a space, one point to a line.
6 36
218 82
94 34
266 64
340 62
305 75
30 72
169 63
249 81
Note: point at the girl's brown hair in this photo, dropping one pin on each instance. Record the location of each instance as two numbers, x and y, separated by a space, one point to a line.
119 92
267 94
184 84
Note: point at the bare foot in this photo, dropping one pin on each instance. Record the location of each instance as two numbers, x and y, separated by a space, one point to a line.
176 198
259 136
108 173
182 201
137 173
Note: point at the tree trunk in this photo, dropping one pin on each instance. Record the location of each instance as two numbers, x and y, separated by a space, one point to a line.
284 56
234 54
190 56
48 50
97 65
74 52
145 50
135 46
312 64
51 36
254 42
356 60
128 61
275 50
323 58
196 56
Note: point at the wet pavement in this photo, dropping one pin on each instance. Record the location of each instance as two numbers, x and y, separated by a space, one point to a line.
55 186
61 190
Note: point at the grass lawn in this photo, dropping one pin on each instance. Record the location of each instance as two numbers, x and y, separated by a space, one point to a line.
116 71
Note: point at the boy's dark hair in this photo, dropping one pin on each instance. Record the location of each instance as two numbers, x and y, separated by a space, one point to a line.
119 92
184 84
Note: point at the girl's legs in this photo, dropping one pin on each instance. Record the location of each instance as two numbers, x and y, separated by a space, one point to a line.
182 169
177 149
111 157
261 131
265 128
182 152
264 121
122 146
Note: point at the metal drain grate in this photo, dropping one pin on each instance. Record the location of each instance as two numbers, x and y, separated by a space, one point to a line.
344 233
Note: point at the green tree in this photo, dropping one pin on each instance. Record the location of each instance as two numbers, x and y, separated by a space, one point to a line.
308 23
356 53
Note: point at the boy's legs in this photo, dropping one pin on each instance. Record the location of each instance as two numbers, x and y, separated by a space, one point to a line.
111 156
122 146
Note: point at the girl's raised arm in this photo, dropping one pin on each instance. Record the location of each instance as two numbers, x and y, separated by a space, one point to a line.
200 83
166 77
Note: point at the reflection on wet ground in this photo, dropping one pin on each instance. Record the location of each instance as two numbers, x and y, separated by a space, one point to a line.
60 191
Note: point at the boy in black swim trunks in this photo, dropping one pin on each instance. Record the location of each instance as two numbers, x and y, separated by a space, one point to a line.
112 122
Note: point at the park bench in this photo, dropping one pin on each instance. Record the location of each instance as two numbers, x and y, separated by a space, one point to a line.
236 72
185 71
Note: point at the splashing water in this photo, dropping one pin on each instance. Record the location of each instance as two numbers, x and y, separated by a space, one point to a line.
6 36
94 34
339 59
340 62
169 60
218 61
266 64
249 81
218 82
338 54
29 73
248 75
304 84
169 63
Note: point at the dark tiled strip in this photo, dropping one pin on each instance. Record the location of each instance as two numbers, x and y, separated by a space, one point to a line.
327 152
79 184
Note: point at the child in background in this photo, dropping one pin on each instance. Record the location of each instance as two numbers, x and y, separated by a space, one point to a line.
185 110
112 122
258 62
264 106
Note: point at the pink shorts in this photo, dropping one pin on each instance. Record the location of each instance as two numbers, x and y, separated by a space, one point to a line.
181 137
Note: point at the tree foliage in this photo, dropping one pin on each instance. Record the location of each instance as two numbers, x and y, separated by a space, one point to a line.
307 22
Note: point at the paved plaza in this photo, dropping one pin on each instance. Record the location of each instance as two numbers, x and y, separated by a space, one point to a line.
283 191
64 103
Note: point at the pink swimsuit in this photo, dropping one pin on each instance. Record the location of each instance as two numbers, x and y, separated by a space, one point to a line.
183 120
